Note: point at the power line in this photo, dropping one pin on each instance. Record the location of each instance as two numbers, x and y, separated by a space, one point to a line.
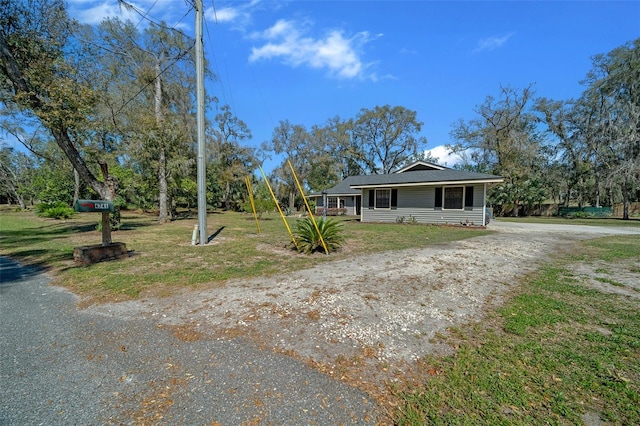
174 60
215 62
145 16
260 93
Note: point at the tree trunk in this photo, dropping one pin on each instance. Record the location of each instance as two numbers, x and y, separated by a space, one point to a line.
292 200
227 191
106 190
76 186
18 198
580 192
66 145
12 185
163 216
173 209
625 198
597 185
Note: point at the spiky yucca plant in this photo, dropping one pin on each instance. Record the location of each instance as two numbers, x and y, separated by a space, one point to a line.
309 240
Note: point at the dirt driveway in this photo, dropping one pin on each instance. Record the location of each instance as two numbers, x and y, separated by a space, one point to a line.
378 313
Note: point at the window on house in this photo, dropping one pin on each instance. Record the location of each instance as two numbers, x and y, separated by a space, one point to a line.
453 197
332 202
383 198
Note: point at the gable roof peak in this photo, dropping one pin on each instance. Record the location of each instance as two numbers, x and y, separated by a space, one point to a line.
421 165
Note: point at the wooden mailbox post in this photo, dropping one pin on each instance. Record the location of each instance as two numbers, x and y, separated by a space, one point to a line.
107 250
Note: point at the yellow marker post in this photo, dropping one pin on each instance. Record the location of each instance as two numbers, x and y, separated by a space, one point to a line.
247 180
295 243
308 208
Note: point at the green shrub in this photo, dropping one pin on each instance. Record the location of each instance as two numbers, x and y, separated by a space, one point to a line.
263 205
40 208
60 213
309 240
55 210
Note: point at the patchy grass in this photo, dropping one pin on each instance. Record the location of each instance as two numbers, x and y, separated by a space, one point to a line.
558 352
163 260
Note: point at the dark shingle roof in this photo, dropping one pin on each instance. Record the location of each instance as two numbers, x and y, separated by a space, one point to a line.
343 188
351 185
422 177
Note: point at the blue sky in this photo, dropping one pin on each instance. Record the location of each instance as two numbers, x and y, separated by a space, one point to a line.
308 61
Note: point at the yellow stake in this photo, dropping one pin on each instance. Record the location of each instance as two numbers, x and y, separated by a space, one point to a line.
279 209
308 208
247 180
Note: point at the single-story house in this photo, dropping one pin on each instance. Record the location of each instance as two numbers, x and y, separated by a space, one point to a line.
421 192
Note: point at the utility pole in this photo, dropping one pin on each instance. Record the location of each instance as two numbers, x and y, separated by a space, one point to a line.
202 188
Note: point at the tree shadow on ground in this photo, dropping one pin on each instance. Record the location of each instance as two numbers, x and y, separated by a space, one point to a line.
41 258
35 235
12 273
190 215
131 226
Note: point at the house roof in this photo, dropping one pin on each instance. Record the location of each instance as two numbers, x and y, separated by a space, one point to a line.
341 189
419 173
423 177
421 165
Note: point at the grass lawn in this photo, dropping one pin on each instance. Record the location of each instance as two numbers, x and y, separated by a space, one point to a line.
634 221
558 352
163 259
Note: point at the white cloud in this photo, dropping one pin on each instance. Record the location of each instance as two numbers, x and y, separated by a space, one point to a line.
334 52
238 14
445 158
93 12
491 43
227 14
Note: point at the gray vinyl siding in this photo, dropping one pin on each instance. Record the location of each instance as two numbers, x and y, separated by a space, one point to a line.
350 205
418 202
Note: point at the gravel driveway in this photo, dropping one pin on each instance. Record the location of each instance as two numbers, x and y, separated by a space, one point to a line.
243 353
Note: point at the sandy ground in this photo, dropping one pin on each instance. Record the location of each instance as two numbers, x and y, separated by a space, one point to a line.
382 310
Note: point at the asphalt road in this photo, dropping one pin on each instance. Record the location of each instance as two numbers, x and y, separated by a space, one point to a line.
65 366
